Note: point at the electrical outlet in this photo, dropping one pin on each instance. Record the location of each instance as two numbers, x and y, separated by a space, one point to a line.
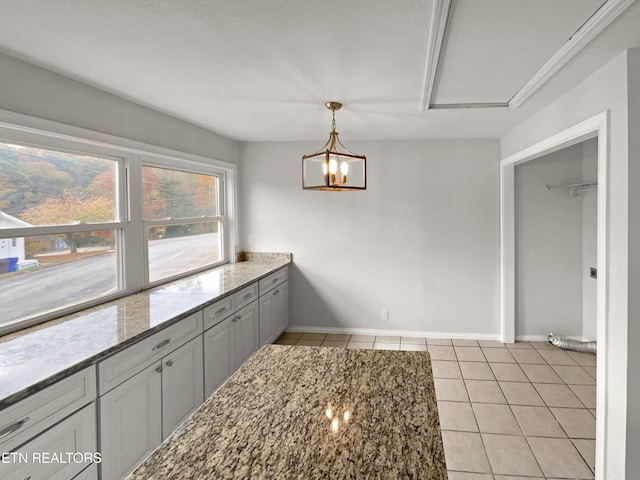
384 315
250 238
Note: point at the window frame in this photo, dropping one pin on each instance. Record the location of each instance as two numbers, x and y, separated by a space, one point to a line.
132 260
182 166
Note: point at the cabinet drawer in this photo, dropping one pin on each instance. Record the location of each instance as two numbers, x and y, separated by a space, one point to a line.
114 370
245 296
276 278
34 414
51 455
218 311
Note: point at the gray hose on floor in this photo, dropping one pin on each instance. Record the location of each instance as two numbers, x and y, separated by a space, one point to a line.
557 341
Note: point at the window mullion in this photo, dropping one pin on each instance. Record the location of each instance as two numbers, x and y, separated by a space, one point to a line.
135 264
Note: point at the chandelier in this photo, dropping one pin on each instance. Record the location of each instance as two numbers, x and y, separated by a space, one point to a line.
331 169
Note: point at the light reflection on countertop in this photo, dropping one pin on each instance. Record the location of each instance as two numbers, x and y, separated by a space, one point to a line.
273 419
36 357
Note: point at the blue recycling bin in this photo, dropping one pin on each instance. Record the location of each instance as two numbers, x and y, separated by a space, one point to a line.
13 264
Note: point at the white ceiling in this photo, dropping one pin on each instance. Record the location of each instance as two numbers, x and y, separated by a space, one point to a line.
261 70
493 47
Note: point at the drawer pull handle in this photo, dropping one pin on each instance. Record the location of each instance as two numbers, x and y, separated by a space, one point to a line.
275 280
159 369
247 296
276 292
162 344
235 319
28 478
220 310
14 427
169 363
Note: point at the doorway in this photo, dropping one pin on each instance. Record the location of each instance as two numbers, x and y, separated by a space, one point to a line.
555 225
595 127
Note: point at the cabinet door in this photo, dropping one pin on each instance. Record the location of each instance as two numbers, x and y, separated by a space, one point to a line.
246 331
267 318
89 473
281 304
47 455
219 356
182 384
130 422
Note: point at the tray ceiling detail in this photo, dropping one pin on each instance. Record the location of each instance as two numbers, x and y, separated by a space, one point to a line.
496 53
261 71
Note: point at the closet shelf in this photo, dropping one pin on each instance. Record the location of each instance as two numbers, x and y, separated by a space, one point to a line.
575 188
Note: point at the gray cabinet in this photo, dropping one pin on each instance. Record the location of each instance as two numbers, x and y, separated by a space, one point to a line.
219 355
182 385
245 333
281 308
231 335
144 409
131 422
274 306
75 434
57 420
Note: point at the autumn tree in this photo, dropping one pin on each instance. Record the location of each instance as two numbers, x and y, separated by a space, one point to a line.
69 208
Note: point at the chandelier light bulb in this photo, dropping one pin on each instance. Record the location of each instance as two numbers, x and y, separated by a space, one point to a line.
333 166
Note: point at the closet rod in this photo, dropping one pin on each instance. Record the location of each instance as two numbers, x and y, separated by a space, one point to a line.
575 188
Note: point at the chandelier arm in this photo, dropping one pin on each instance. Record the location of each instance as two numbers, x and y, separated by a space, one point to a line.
345 148
323 149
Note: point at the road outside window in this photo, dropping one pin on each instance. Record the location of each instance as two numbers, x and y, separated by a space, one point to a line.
182 215
58 230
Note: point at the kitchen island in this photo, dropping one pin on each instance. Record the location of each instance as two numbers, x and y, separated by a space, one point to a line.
310 413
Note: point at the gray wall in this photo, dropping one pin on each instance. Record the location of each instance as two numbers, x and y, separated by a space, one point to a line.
633 374
613 89
31 90
549 245
422 241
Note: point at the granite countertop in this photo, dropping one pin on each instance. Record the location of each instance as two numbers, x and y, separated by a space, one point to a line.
36 357
269 420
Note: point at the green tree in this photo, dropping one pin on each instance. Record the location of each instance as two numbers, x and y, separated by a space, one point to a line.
25 182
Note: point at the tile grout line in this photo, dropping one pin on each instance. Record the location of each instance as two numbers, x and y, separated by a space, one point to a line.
486 361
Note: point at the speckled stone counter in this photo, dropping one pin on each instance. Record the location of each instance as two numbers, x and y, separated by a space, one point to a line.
34 358
270 420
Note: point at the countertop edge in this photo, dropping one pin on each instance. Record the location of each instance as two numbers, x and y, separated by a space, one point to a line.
16 397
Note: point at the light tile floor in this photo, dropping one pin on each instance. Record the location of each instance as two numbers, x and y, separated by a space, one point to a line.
523 411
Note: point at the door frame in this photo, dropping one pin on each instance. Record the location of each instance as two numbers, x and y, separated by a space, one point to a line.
594 127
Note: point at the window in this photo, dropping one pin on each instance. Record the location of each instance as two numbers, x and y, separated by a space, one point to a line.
77 216
183 221
60 211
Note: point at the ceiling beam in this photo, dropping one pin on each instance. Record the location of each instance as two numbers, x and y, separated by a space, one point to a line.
606 14
437 30
443 106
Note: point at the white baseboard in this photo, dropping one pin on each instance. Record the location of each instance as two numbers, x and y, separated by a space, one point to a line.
420 333
397 333
543 338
